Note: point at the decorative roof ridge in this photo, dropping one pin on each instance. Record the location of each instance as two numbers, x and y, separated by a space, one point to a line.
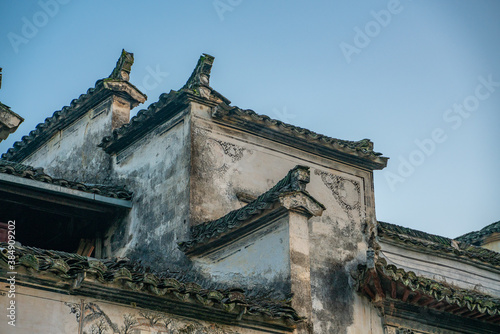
138 278
199 81
477 236
52 124
473 300
363 147
415 238
37 174
295 180
123 66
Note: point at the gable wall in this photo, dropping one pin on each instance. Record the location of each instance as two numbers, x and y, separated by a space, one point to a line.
72 153
226 162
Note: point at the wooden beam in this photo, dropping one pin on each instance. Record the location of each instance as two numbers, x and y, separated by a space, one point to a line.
470 314
465 309
393 290
376 283
480 315
369 292
416 298
450 308
428 301
406 294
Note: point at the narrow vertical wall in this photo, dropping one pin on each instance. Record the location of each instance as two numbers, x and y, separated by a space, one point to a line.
156 167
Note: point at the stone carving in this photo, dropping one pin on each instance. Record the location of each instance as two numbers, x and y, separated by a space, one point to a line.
221 155
298 200
123 66
231 150
96 321
92 313
347 192
405 331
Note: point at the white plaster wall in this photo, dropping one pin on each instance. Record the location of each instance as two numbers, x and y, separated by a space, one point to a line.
494 246
367 318
261 259
72 153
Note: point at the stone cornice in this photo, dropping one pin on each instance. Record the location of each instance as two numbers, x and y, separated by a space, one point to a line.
9 121
301 201
358 153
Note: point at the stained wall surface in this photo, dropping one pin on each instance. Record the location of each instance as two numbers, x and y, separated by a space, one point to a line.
227 163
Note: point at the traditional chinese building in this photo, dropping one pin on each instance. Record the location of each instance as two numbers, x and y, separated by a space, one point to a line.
196 216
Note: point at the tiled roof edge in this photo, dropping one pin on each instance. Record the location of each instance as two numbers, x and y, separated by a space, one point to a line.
477 236
295 180
37 174
135 277
473 300
136 127
439 244
361 149
65 116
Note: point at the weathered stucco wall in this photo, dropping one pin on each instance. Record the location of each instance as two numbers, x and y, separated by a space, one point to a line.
72 153
227 162
156 168
253 262
58 316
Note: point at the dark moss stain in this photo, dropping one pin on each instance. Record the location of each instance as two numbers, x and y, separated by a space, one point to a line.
331 287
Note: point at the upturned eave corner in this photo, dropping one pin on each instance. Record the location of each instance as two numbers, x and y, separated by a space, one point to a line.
119 79
385 283
9 121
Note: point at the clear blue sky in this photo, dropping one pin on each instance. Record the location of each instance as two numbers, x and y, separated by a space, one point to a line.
399 73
